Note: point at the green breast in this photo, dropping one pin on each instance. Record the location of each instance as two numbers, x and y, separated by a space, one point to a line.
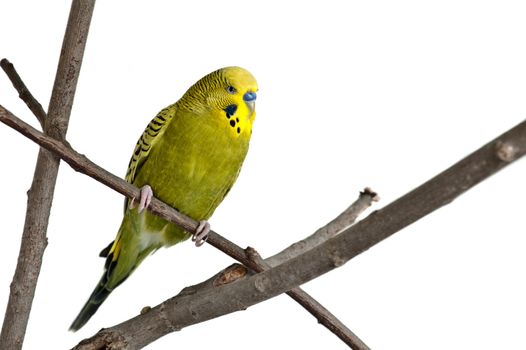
193 165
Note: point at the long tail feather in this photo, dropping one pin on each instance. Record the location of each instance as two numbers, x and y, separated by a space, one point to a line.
92 305
107 283
120 263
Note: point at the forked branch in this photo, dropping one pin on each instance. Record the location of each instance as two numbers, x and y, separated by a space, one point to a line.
191 308
84 165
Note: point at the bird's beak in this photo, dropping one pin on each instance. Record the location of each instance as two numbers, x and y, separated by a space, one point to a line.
251 107
250 99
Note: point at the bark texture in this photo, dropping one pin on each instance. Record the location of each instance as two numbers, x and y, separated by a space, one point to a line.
40 195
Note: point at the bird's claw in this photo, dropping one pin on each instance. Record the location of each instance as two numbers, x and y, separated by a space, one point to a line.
201 233
144 200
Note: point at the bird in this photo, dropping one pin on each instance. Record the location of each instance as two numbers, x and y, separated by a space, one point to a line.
189 156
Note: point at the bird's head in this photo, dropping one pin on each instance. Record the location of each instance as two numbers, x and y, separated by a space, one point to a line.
230 95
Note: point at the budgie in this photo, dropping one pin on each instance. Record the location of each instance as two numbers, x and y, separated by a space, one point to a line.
189 156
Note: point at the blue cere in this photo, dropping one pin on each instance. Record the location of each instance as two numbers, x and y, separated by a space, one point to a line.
249 96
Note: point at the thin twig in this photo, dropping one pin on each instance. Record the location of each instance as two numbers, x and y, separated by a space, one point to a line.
342 221
84 165
23 92
189 308
40 195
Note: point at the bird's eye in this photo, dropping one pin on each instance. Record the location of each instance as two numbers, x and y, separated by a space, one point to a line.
231 90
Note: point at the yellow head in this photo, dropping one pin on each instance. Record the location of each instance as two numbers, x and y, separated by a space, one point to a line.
229 95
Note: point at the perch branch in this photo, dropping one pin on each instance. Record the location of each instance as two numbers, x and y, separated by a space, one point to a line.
23 92
40 195
82 164
190 308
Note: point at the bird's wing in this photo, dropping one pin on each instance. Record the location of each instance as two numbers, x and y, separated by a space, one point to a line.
147 141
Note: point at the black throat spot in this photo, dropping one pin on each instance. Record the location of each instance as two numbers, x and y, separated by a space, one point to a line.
230 110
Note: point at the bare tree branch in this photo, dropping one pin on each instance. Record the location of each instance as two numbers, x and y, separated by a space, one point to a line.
320 245
310 304
190 308
40 195
342 221
252 259
23 92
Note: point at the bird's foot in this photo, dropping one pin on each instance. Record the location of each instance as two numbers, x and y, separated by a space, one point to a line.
144 200
201 233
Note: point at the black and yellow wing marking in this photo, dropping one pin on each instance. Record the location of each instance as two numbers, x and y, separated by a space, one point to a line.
149 137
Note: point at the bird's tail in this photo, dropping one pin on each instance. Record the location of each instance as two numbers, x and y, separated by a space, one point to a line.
96 299
120 263
116 270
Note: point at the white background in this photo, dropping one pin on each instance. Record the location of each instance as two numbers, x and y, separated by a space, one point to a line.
352 94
